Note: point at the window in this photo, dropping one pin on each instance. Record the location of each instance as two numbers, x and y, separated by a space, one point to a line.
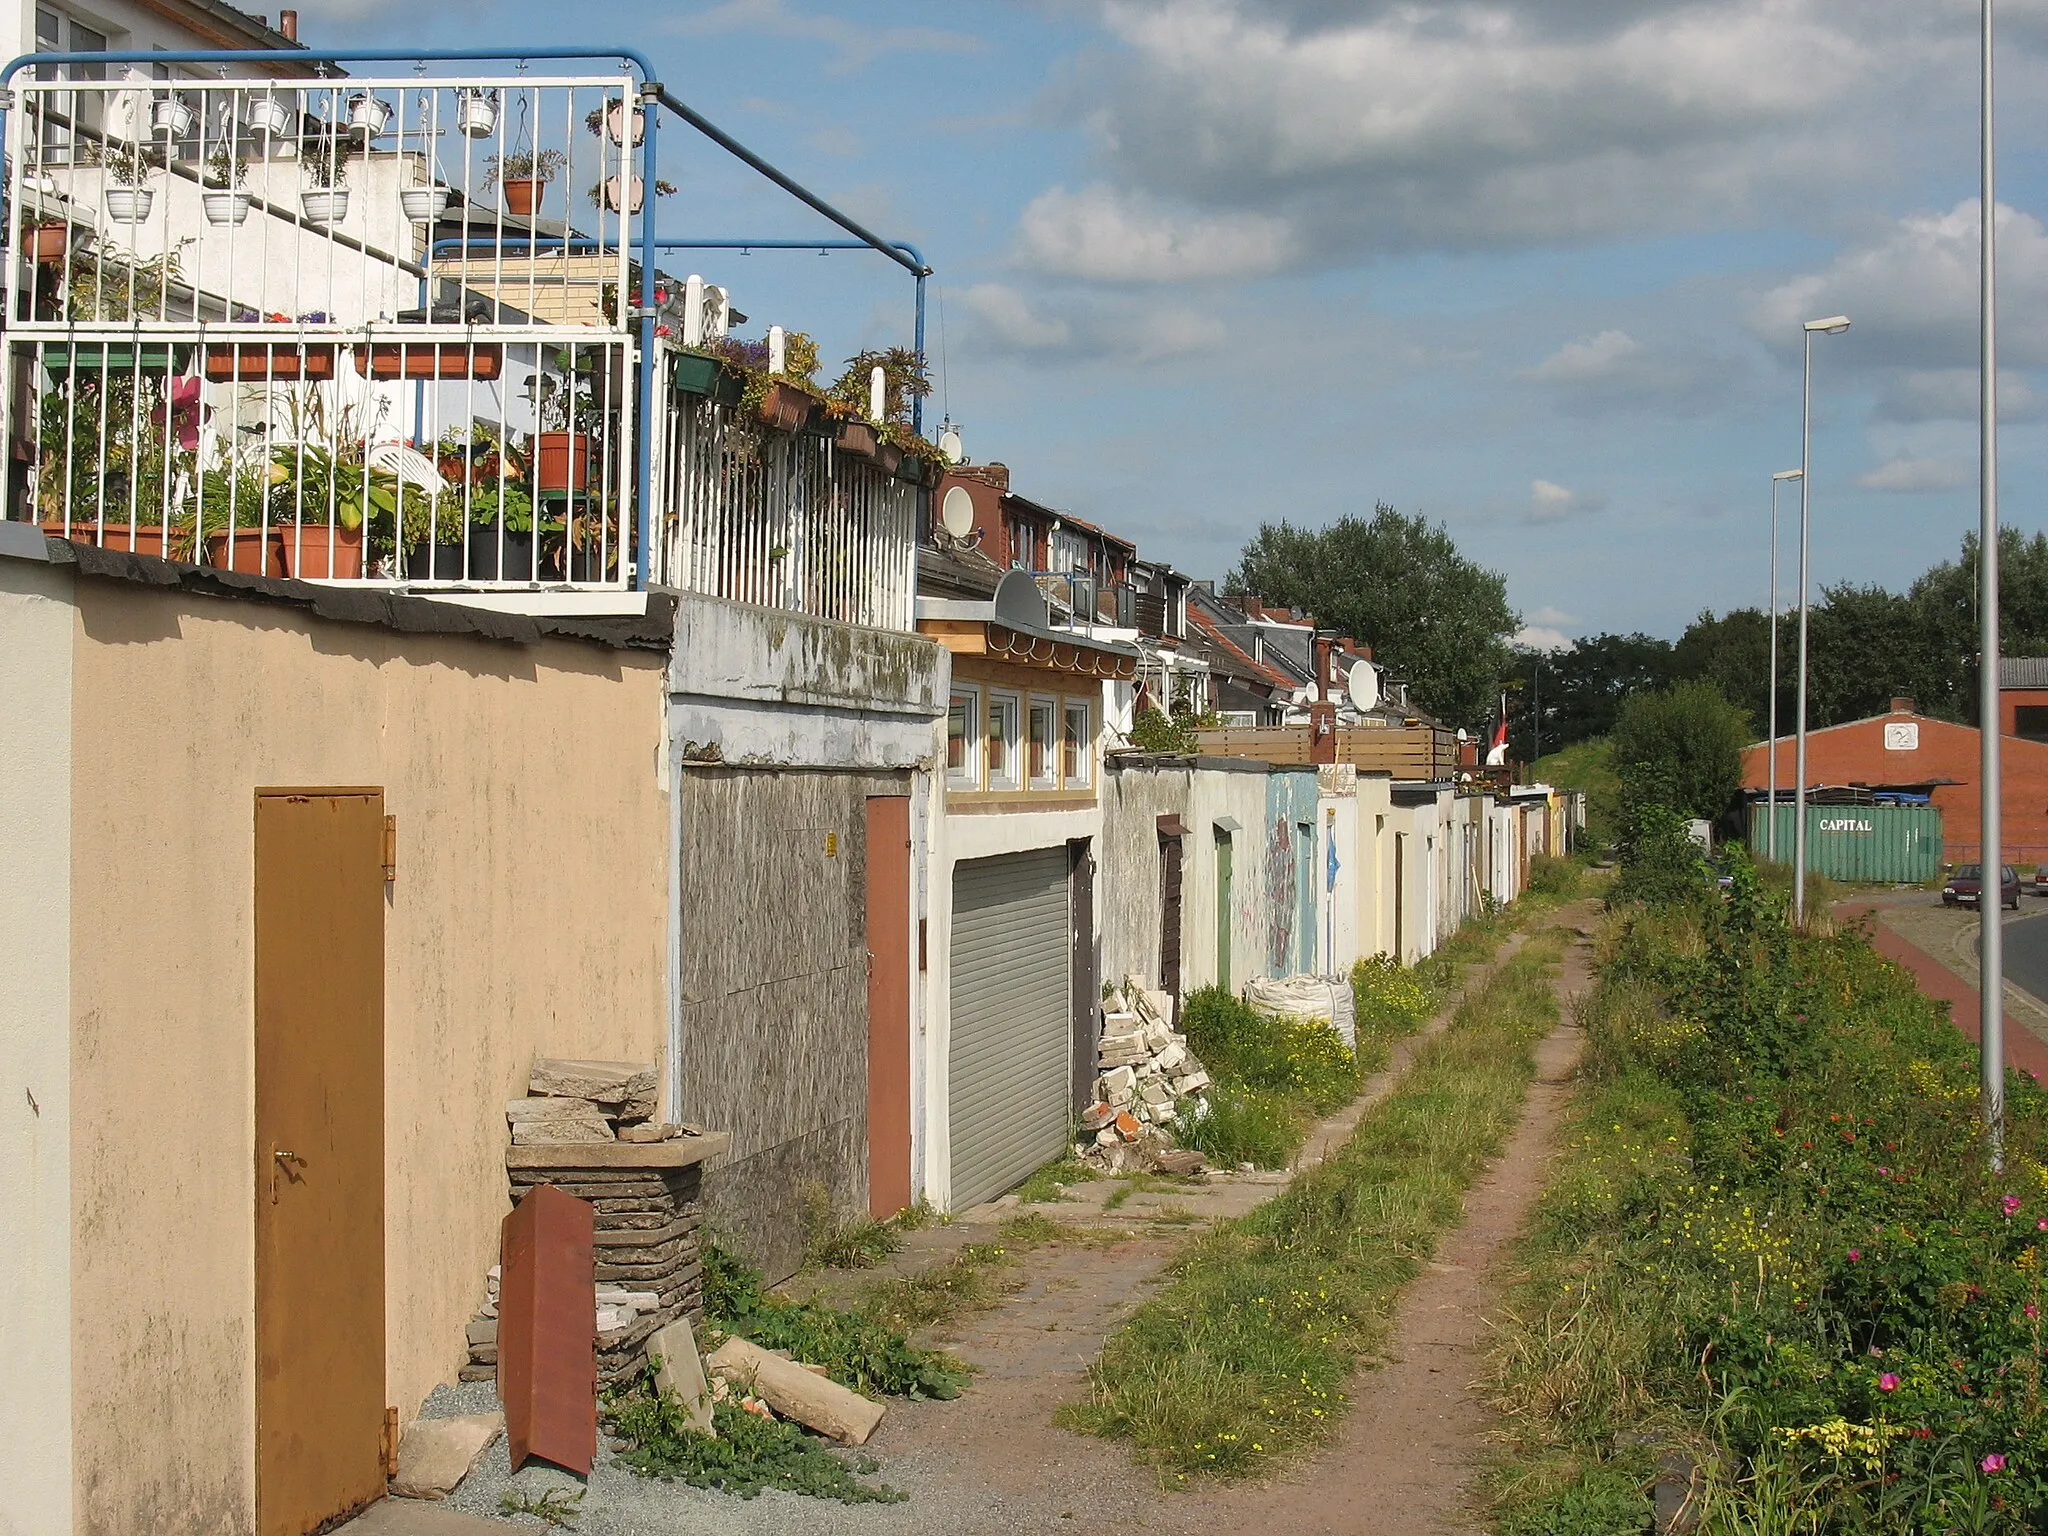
1077 746
59 33
1003 745
1044 762
963 740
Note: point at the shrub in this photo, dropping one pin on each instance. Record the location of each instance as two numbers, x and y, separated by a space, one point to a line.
1293 1058
1391 1003
1550 875
1242 1125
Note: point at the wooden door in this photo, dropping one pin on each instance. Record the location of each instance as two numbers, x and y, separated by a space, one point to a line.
888 925
319 1156
1223 868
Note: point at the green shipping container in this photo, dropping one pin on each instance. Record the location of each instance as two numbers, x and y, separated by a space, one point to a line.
1877 844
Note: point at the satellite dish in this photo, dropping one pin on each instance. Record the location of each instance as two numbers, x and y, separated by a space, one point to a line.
956 512
951 445
1363 684
1303 696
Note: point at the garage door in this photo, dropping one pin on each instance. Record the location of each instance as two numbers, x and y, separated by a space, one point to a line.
1008 1078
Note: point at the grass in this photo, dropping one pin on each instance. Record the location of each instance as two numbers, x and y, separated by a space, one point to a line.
1048 1184
1240 1362
557 1506
1587 765
978 1276
844 1240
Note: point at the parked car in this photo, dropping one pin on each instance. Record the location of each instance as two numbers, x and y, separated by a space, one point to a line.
2041 880
1966 886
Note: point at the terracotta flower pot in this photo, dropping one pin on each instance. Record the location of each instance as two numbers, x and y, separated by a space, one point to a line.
430 360
315 552
856 437
147 539
49 243
785 407
229 360
561 461
249 550
522 194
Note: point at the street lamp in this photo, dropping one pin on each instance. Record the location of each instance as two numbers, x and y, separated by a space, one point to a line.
1771 818
1991 800
1834 325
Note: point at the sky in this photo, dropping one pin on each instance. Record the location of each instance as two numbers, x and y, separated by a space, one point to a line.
1532 268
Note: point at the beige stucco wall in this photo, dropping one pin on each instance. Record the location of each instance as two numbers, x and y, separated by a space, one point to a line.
528 916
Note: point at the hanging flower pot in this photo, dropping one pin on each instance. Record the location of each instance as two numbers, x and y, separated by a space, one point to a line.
168 114
785 407
49 244
368 115
430 360
615 194
224 205
561 460
855 437
130 205
522 194
267 116
423 205
615 123
324 205
236 360
476 112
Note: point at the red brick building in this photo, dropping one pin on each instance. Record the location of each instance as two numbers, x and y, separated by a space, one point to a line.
1912 752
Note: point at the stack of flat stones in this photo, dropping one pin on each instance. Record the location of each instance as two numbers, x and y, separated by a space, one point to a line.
1146 1076
648 1268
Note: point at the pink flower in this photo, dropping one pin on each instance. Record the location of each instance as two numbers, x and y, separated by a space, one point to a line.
1855 1255
1888 1382
1993 1463
2031 1310
2010 1204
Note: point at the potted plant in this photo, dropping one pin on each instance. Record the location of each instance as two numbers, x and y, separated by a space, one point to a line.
615 191
268 115
368 115
322 500
46 238
524 175
476 111
501 532
430 532
223 198
562 448
128 166
172 115
423 205
325 199
609 121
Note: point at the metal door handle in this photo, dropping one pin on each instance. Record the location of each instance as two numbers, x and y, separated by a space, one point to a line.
289 1157
285 1160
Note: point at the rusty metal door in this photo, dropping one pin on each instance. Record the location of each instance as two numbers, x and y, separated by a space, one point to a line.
319 1156
888 945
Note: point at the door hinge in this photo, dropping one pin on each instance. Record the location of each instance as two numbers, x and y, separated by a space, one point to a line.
390 849
387 1442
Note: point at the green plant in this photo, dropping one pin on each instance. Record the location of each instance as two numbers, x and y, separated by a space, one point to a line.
126 162
1153 730
541 165
1046 1186
903 380
1297 1058
554 1506
225 170
1550 875
597 198
1242 1125
843 1240
745 1454
326 160
1390 1002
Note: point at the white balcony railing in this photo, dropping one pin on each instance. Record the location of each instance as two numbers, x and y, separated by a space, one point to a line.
334 329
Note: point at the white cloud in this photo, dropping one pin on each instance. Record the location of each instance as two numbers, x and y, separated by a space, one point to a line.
1104 235
1912 293
1916 476
1550 502
1012 324
1951 394
1601 359
1542 637
856 44
1552 616
1386 124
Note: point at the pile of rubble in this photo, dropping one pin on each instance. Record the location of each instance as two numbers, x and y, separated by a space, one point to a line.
1148 1079
570 1103
615 1312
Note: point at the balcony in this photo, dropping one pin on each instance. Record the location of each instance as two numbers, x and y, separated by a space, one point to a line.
381 330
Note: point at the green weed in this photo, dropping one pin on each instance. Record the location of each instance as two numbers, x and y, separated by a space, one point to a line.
556 1506
1046 1186
1242 1125
748 1452
844 1240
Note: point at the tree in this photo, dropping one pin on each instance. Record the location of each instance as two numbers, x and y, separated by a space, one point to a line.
1734 654
1399 585
1580 688
1678 749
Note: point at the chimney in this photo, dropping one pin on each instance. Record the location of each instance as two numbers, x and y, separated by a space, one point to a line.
995 474
1322 715
288 24
1902 706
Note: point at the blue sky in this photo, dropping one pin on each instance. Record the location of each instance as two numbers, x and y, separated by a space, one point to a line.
1532 267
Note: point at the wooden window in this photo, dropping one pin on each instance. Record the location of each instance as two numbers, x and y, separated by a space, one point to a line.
963 740
1004 748
1077 745
1043 750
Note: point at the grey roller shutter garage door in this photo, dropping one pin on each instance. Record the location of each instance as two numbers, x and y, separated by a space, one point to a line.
1008 1074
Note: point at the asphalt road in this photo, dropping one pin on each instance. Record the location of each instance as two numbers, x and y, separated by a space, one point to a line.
2026 952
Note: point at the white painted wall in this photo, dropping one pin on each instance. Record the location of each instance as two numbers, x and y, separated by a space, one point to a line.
36 630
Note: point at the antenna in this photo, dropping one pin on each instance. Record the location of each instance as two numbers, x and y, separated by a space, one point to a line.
956 512
1362 683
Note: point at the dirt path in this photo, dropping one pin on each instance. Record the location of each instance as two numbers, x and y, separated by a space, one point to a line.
993 1464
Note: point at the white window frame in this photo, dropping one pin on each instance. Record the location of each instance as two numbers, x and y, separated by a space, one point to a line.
968 776
1011 738
1050 779
1086 778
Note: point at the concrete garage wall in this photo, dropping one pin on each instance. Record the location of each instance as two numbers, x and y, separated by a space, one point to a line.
1136 792
36 630
529 916
774 993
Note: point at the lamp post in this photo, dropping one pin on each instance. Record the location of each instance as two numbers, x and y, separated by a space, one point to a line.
1833 325
1771 821
1991 856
